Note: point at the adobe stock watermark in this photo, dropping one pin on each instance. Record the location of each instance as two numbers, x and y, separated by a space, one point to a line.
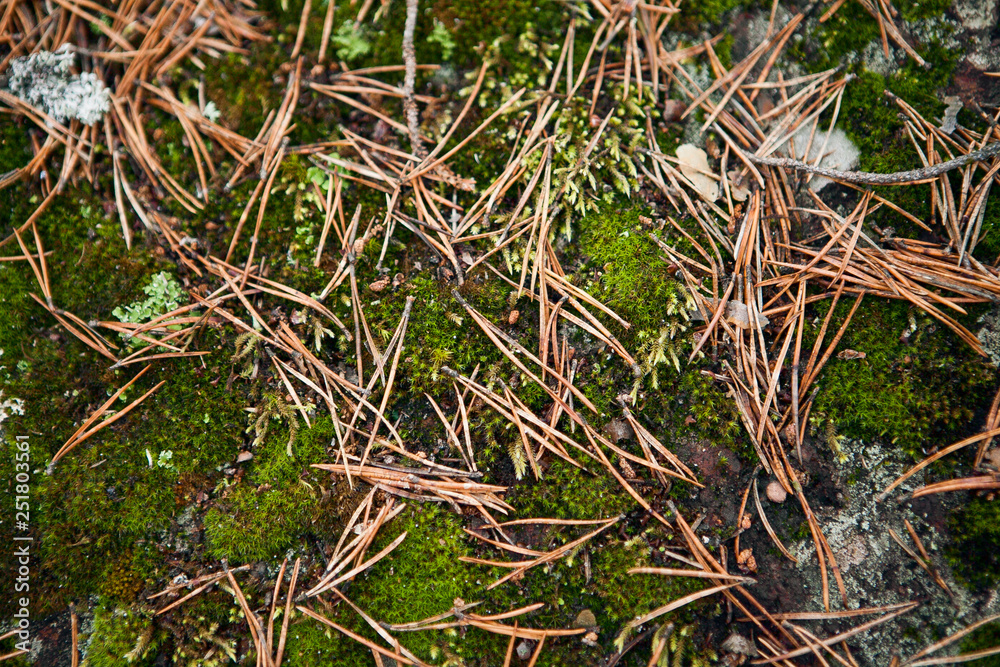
21 543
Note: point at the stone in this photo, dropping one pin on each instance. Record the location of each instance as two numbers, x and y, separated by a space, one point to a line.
737 643
585 619
525 648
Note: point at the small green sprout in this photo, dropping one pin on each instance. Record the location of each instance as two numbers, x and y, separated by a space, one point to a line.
350 42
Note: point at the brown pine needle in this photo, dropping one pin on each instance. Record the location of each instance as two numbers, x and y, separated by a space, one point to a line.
767 526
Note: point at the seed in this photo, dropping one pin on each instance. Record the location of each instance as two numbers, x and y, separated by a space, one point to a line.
775 492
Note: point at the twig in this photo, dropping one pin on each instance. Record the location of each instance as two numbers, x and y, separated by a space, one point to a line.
867 178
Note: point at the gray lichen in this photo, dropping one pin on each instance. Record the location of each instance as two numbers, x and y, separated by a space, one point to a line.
45 80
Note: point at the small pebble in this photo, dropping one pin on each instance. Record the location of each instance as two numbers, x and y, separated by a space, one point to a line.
524 649
585 619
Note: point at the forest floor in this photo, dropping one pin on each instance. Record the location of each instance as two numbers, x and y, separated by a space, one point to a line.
483 333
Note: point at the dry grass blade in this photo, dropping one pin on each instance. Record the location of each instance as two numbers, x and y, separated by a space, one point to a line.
976 483
418 484
830 615
379 628
676 604
697 574
350 574
955 659
74 637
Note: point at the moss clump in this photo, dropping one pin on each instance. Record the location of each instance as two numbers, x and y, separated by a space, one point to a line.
121 636
311 644
975 529
625 595
985 637
910 387
250 524
625 270
568 493
121 581
695 16
423 575
716 418
440 332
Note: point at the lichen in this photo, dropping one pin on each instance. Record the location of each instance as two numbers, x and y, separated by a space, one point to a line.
44 80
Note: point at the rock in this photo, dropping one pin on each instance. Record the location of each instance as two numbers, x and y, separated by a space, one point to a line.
976 14
525 648
989 335
992 458
244 456
737 643
775 492
585 619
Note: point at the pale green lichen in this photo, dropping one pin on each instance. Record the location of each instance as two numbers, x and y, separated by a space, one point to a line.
164 295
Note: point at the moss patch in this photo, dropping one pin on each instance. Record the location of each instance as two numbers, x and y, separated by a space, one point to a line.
976 532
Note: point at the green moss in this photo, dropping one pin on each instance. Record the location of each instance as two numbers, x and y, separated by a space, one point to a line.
716 418
245 92
928 387
696 15
122 636
975 530
250 524
311 644
985 637
626 596
424 576
625 270
440 332
15 148
568 493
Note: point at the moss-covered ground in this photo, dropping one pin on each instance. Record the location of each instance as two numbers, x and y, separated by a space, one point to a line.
161 493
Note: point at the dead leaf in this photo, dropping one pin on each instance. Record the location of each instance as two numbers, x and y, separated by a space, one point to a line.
739 192
694 166
737 313
950 120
